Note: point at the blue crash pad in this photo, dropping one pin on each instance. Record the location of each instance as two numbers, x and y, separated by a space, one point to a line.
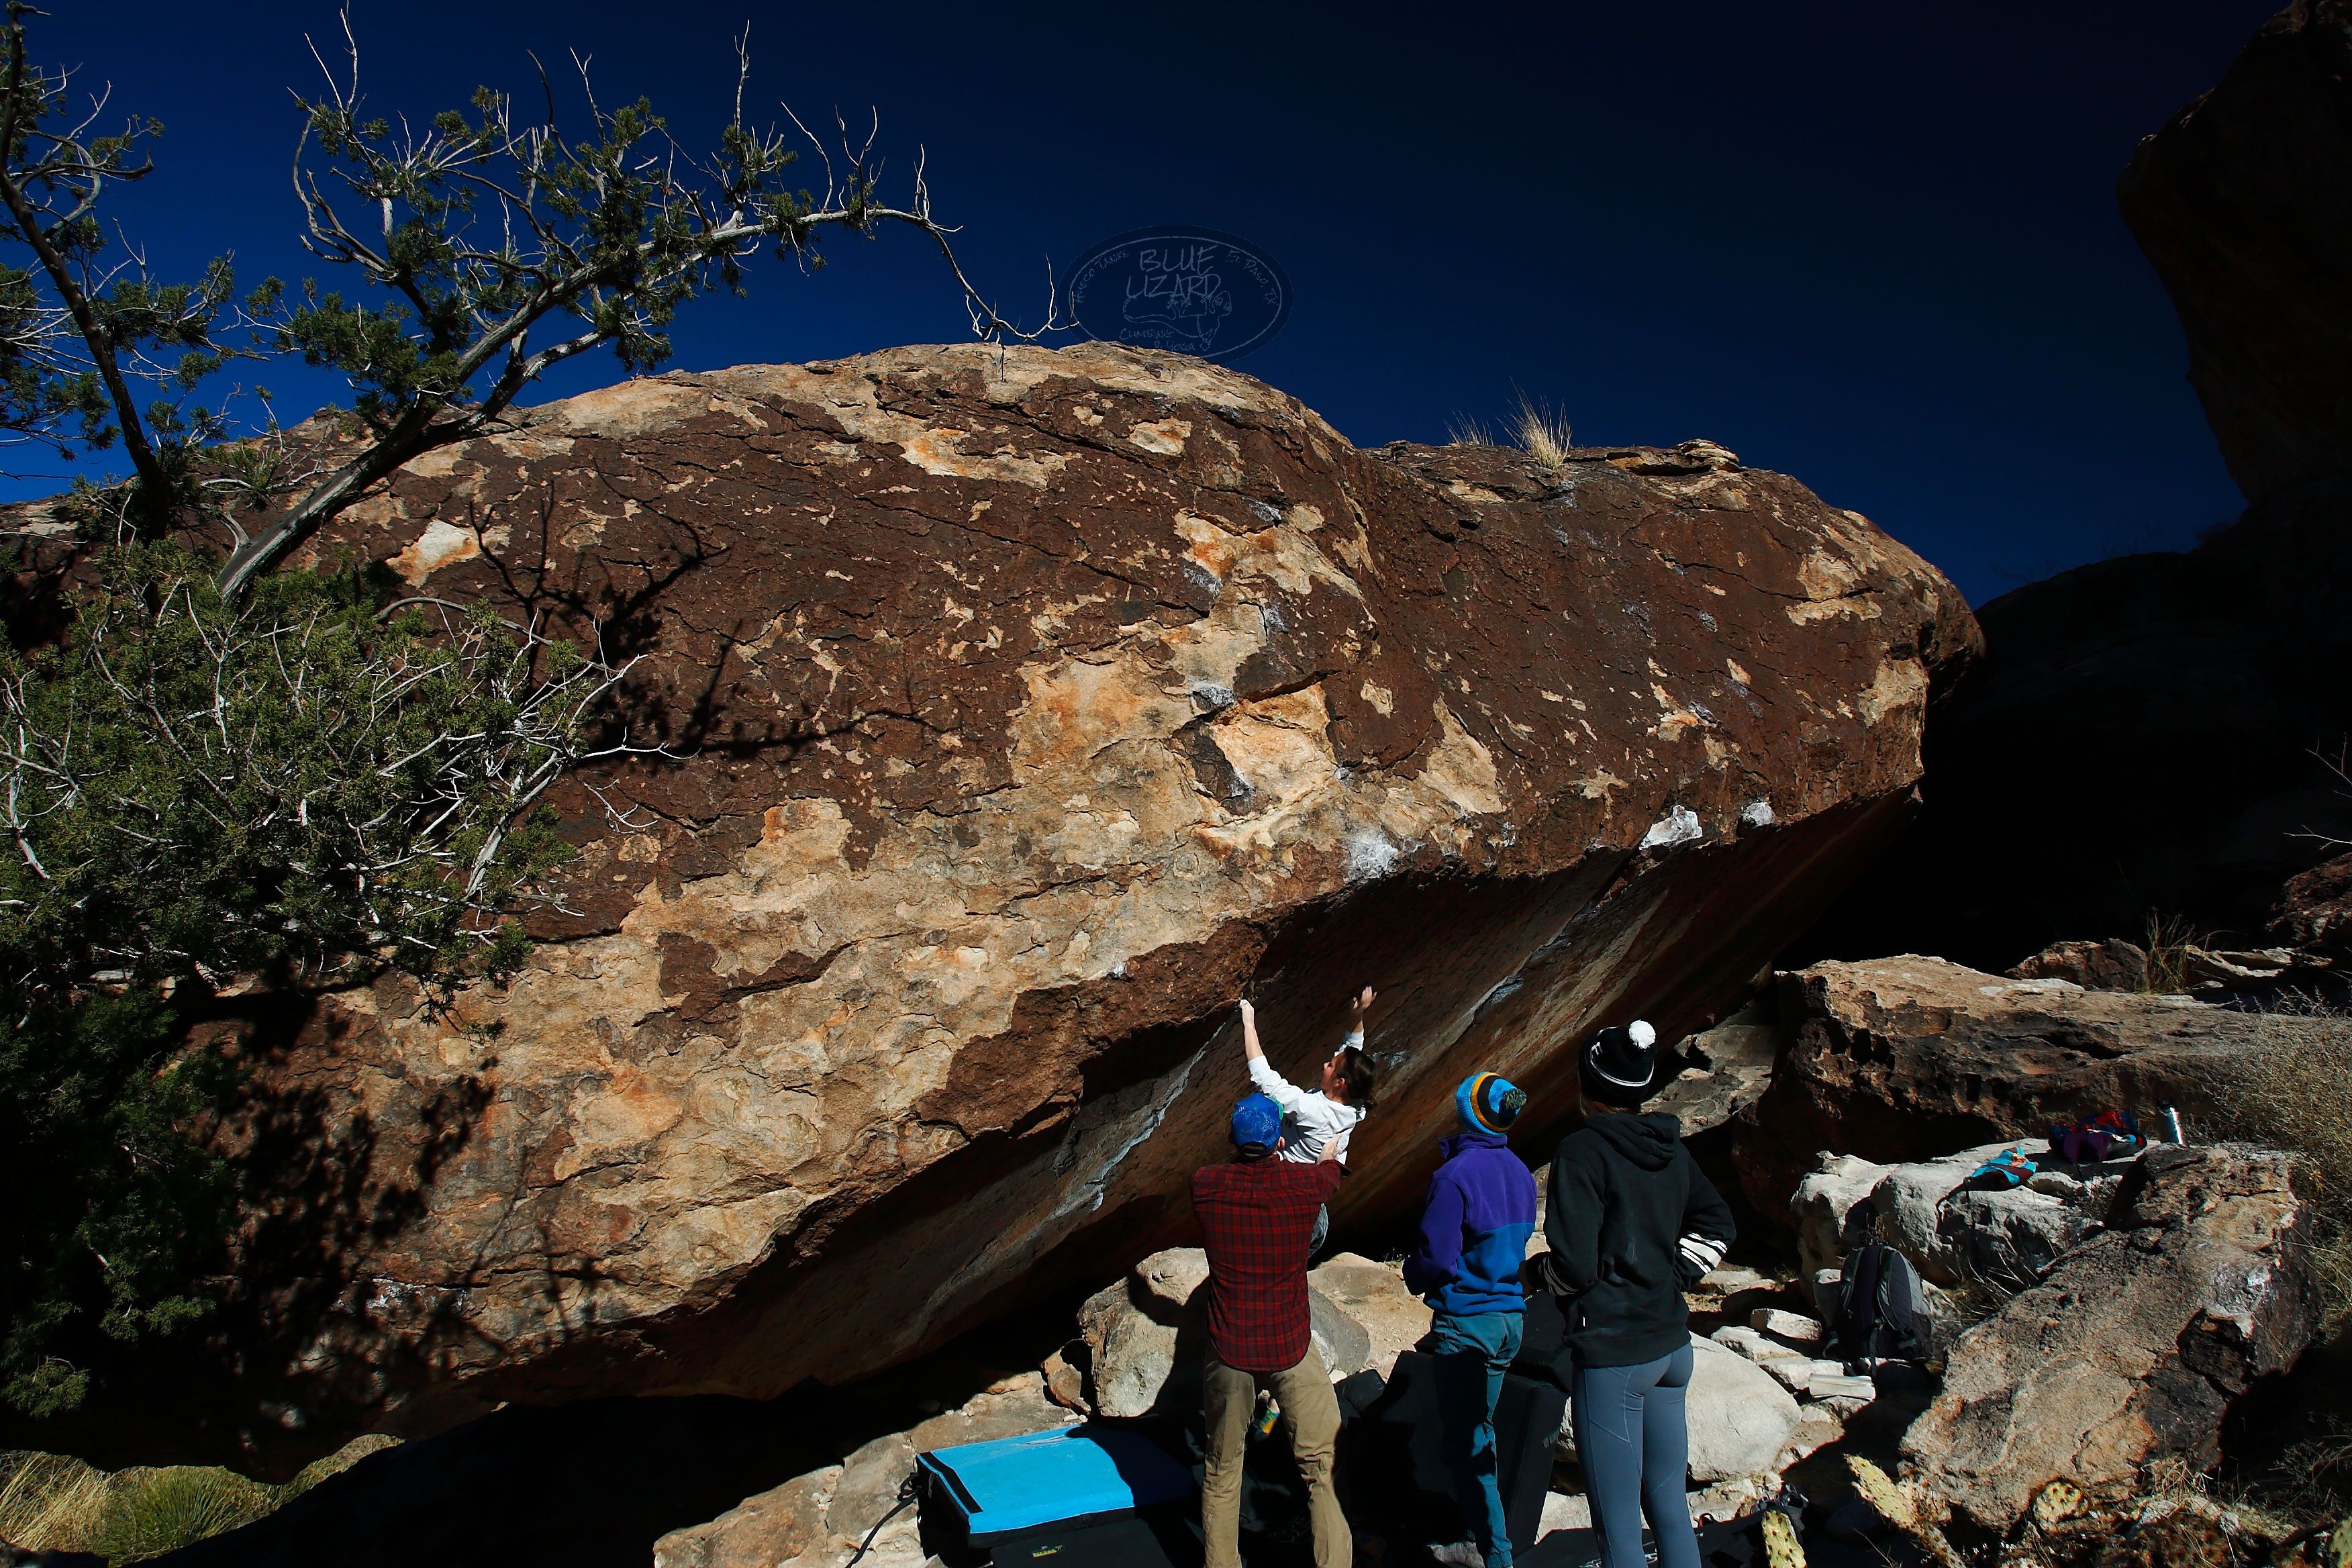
1068 1476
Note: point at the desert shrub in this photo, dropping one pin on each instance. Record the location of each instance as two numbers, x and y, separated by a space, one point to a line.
57 1503
147 1512
2295 1093
51 1502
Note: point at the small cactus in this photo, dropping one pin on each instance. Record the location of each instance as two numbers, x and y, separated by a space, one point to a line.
1896 1505
2056 1503
2339 1546
1782 1547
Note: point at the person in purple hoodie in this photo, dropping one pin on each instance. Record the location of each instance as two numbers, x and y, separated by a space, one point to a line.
1473 1238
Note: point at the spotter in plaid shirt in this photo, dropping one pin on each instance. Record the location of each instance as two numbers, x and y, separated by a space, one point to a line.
1255 1218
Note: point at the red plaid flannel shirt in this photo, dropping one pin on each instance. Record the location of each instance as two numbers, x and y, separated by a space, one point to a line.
1255 1218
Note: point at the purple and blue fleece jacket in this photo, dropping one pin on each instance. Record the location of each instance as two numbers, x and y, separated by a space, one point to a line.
1474 1234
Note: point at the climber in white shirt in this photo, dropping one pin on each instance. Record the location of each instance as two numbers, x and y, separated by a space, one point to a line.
1314 1120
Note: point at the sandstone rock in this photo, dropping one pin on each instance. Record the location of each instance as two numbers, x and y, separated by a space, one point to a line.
761 1531
1130 1353
1727 1282
1725 1500
1908 1204
1794 1373
1897 1058
1954 1237
1739 1418
1170 1278
1065 1381
1816 1427
1024 707
1565 1510
2093 965
2315 911
1830 1211
1791 1328
1842 1396
1372 1296
2133 1347
1723 1069
2241 202
2011 1236
1144 1341
1346 1345
1743 1340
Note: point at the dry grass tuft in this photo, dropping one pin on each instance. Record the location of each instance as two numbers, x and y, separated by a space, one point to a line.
2296 1095
2169 944
1536 428
1468 430
1541 432
55 1503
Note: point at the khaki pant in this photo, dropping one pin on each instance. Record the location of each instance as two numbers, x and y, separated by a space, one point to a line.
1312 1413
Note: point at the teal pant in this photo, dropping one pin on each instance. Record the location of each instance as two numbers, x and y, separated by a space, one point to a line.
1472 1354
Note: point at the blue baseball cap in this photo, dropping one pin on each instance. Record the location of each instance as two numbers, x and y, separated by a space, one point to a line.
1257 1124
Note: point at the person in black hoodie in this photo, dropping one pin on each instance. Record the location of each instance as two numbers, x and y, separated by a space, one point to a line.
1631 1223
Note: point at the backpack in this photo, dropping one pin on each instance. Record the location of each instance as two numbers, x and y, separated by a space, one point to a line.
2109 1135
1882 1311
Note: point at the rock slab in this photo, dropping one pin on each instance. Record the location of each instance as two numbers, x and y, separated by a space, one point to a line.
2134 1345
1901 1060
1020 709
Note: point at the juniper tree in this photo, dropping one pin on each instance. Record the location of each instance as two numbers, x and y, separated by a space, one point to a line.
224 774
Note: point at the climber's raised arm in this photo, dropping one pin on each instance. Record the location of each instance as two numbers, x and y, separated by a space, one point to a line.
1359 1005
1263 1077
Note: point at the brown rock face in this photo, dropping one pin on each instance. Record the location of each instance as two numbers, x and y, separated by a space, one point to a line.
2315 912
2132 1347
1910 1058
2244 201
1026 710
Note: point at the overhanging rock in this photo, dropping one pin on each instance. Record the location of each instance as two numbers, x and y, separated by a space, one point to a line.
1029 707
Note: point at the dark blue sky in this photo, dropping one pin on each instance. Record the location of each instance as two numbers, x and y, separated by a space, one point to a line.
1875 247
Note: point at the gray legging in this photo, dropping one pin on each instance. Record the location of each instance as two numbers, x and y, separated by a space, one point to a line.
1635 1448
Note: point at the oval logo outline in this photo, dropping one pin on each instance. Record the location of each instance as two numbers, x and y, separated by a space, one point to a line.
1179 287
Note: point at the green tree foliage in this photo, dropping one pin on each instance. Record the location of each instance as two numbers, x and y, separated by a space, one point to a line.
310 785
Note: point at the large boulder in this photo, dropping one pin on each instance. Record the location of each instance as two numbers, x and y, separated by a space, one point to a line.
1901 1060
2134 1345
2243 203
1023 709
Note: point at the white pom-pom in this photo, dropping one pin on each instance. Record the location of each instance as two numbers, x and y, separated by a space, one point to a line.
1644 1035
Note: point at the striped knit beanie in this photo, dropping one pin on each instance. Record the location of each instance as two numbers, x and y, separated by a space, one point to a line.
1486 1103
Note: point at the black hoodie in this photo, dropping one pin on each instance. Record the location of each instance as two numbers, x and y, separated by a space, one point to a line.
1624 1190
